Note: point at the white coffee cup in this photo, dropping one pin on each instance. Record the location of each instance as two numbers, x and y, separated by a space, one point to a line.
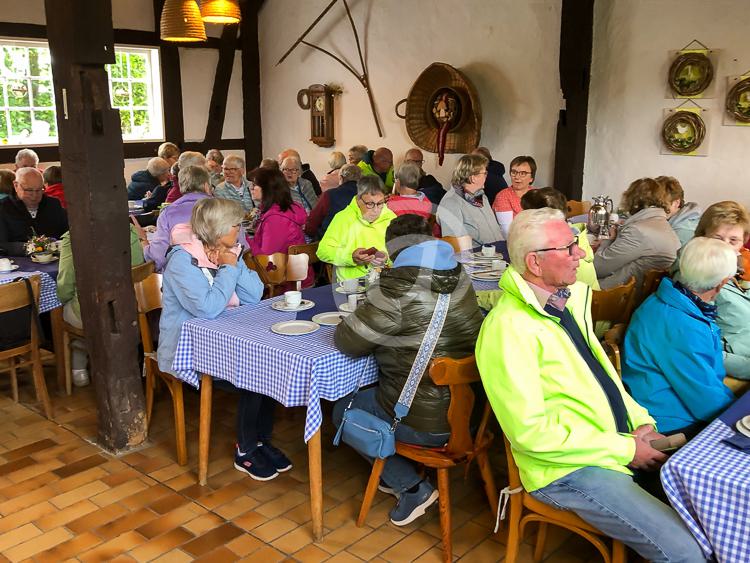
353 301
292 299
43 257
488 250
5 265
498 265
350 285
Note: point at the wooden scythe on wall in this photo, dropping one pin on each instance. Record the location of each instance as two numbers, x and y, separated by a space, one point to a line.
363 78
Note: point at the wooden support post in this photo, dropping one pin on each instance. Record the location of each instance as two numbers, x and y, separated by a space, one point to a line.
576 36
81 43
218 108
251 82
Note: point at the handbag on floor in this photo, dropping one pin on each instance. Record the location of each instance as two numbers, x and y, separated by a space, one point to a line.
373 436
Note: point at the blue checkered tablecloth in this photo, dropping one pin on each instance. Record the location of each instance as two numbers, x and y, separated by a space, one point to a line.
239 347
466 256
48 294
708 484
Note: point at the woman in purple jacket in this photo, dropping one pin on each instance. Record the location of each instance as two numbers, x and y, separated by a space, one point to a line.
281 220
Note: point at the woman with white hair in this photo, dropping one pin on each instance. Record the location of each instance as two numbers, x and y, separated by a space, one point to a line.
333 177
204 276
301 188
673 361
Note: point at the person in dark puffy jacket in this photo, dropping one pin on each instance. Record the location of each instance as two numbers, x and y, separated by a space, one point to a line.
391 324
145 181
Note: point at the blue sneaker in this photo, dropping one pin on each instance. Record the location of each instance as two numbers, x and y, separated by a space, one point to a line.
275 456
411 506
383 488
255 464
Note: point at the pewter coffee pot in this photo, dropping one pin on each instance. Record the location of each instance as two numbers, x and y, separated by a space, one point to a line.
599 213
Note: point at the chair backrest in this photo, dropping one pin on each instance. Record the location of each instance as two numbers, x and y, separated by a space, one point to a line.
14 296
310 249
612 345
147 287
651 281
296 268
577 207
514 477
614 304
271 276
458 375
463 242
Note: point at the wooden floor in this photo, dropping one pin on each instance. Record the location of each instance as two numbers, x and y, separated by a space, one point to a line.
62 498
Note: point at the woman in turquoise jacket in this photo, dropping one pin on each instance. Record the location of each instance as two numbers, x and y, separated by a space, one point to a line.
673 360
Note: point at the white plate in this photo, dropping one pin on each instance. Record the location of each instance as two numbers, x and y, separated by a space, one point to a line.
743 426
340 289
295 328
13 268
480 256
329 319
346 308
304 305
494 275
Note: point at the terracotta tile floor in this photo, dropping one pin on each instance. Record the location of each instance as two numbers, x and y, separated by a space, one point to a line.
62 498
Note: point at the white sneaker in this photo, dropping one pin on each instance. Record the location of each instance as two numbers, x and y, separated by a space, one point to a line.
80 377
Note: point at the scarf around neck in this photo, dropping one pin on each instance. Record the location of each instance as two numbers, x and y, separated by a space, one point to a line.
474 199
709 310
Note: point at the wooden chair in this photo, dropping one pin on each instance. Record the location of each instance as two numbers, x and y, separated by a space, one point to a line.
459 244
651 281
13 296
461 447
288 268
69 333
310 249
524 508
577 208
612 344
147 286
615 304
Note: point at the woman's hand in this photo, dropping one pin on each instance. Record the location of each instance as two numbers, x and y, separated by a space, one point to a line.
360 256
226 256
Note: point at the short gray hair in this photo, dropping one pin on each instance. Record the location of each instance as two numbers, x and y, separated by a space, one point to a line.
238 160
705 263
25 154
191 158
213 218
290 160
157 166
193 179
336 160
468 165
528 232
408 175
370 185
350 173
215 155
359 151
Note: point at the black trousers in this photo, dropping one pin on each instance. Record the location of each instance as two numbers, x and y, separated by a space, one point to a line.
254 416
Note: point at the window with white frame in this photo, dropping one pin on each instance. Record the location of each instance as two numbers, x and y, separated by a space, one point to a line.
27 99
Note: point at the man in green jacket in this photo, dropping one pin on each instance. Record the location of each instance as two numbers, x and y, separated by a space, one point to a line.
355 231
379 163
574 431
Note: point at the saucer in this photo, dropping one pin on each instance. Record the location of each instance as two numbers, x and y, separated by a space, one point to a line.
303 306
340 289
13 268
295 328
329 319
480 256
494 275
34 259
743 426
346 308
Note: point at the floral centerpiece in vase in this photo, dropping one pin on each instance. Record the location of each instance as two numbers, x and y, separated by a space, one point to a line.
40 248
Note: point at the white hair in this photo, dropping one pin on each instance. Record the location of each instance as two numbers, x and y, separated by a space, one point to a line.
291 160
157 166
191 158
528 232
193 179
238 160
336 160
25 154
705 263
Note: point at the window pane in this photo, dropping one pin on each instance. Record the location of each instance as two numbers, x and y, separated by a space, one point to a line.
41 92
48 118
39 62
125 122
120 94
20 122
140 94
3 128
137 66
117 70
17 60
141 125
18 93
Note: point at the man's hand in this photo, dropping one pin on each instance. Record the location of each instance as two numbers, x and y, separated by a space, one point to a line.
361 257
647 433
646 458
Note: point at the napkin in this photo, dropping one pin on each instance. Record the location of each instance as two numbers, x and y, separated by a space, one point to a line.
739 441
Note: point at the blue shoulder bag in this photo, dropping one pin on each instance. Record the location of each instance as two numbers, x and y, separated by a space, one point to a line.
373 436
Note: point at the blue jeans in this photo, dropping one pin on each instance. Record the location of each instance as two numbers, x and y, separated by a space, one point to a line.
616 505
398 473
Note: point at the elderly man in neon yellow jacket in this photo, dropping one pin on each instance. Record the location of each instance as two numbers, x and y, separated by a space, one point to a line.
574 431
355 239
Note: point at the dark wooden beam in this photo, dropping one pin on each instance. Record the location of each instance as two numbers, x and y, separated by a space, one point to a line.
251 82
217 109
81 42
576 38
171 85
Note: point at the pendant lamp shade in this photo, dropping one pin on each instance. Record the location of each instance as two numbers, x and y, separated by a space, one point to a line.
220 11
181 21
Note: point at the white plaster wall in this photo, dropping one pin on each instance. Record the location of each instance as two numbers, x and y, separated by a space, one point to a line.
508 48
630 65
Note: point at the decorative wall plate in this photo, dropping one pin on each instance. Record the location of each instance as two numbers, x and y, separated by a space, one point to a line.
690 74
738 101
683 131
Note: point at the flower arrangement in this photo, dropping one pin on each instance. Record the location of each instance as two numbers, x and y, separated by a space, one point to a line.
39 243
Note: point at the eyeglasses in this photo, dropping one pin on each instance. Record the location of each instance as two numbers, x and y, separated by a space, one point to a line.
373 204
225 169
32 191
482 173
569 247
420 162
295 170
520 173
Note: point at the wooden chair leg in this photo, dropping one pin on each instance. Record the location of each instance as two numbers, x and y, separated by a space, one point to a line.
619 552
444 502
39 383
178 405
541 539
514 532
13 379
149 384
485 470
204 429
67 362
372 487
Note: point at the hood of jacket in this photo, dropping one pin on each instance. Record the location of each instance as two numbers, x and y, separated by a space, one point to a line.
295 213
430 265
645 214
689 213
143 176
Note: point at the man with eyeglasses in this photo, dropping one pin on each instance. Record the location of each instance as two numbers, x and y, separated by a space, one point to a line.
235 185
576 435
355 239
428 184
28 211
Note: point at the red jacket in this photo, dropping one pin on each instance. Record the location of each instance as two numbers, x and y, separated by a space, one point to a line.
401 205
56 191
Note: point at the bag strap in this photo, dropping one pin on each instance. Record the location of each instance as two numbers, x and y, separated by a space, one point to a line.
422 360
34 308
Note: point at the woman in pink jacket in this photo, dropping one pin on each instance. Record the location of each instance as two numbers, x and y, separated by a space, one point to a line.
281 220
